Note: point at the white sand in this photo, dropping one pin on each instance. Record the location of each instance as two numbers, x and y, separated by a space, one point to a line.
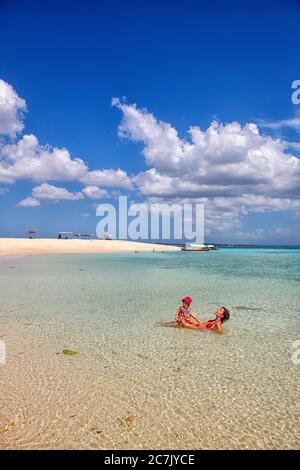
22 246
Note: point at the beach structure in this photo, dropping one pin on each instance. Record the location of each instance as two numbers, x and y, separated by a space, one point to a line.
31 233
87 236
106 237
67 235
72 235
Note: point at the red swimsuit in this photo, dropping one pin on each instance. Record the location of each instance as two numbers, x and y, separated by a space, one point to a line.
210 324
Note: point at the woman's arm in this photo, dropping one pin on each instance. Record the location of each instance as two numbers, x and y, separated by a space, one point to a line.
197 320
219 328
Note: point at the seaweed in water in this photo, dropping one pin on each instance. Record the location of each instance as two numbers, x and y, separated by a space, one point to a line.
69 352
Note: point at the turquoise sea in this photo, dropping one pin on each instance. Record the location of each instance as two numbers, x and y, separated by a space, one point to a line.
132 384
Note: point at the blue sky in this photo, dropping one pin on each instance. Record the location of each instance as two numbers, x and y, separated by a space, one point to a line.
187 63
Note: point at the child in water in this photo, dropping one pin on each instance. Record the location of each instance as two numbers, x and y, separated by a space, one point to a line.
184 317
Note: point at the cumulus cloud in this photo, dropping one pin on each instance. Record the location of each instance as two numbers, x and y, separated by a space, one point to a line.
112 178
28 160
47 192
12 108
223 160
94 192
225 215
233 170
29 202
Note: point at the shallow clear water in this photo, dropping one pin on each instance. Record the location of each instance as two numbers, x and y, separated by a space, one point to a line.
134 385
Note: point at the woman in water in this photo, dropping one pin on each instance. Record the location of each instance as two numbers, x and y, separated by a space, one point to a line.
221 314
185 318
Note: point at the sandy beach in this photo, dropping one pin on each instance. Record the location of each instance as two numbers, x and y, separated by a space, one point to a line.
23 246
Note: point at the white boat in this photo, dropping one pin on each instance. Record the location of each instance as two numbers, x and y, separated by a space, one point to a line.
195 247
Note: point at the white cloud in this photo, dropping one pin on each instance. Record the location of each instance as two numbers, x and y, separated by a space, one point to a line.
47 192
29 202
12 108
94 192
293 145
112 178
224 215
292 123
261 236
28 160
234 170
223 160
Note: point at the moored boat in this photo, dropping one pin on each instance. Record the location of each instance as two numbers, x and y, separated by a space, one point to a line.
195 247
